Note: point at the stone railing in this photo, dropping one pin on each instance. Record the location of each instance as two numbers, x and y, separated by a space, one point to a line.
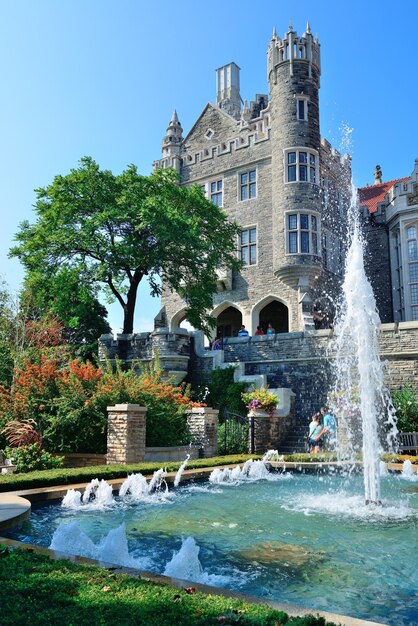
172 347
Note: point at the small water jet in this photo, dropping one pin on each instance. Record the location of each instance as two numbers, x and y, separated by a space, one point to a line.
180 471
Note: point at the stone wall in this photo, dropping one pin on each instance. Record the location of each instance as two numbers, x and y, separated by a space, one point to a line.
172 348
303 362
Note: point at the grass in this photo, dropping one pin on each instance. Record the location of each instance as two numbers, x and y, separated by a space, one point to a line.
67 476
37 591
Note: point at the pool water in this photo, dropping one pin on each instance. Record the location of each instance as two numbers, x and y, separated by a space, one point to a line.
299 538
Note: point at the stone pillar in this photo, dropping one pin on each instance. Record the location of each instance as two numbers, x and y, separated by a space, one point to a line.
203 426
266 431
126 433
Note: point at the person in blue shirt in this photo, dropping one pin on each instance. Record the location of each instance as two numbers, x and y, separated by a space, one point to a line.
330 428
243 332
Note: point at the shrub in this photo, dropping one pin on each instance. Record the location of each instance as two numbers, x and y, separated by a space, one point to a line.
68 403
224 393
405 401
233 439
32 457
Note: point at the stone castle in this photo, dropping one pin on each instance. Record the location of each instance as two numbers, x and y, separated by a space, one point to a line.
267 165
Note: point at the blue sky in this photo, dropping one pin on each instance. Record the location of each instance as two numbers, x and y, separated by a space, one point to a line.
102 77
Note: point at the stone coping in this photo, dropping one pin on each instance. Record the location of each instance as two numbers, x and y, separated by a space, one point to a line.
58 491
13 510
291 609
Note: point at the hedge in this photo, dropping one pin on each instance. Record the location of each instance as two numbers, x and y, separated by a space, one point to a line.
68 476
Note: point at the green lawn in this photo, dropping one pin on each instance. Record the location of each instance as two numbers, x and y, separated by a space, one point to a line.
38 591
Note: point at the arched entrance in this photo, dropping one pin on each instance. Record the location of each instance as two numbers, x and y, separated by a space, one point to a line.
277 314
228 322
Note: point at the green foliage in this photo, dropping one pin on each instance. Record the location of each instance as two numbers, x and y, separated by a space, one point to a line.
68 402
68 476
69 296
36 590
261 399
32 457
114 230
405 401
8 335
234 440
224 393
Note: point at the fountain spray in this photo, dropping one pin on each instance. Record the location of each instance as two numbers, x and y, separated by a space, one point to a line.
358 365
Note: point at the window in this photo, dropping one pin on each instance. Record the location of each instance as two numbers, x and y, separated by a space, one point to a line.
302 109
248 185
209 133
302 233
412 251
248 246
215 188
301 166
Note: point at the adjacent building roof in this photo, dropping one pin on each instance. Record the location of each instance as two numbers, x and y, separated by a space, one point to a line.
375 194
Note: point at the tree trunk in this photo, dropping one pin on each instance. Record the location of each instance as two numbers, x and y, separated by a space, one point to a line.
129 308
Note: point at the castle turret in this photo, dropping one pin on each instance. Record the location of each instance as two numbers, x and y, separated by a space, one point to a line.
294 75
172 143
228 95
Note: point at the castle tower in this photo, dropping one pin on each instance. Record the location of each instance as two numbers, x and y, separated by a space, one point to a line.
172 143
294 74
228 95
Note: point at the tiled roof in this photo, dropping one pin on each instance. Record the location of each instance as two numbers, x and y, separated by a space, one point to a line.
373 195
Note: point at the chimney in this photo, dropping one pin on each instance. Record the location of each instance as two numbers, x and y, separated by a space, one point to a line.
377 175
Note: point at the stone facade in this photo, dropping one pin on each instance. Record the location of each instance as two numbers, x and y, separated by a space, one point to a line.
390 212
269 431
171 347
303 362
243 156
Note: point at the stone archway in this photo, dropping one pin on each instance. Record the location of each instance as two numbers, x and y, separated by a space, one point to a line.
177 319
272 311
228 321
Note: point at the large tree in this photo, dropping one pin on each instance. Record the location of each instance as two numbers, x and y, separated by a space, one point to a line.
119 229
66 295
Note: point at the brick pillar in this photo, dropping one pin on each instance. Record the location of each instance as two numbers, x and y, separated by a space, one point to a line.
203 426
126 427
267 431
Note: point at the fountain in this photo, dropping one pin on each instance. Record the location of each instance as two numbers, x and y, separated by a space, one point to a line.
358 365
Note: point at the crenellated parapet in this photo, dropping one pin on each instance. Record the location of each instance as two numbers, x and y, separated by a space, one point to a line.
172 348
292 48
